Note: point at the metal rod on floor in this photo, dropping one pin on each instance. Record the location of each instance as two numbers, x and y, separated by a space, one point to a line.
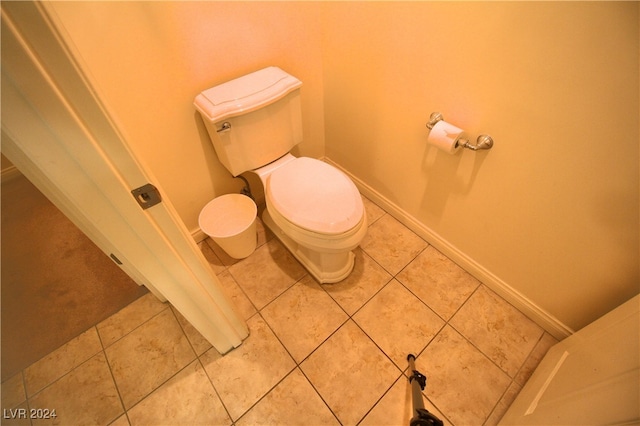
421 417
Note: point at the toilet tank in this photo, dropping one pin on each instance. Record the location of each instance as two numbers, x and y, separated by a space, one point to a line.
252 120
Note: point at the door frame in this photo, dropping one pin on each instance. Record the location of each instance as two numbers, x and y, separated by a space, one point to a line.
57 131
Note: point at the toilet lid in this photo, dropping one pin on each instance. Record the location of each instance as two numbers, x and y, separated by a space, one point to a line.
315 196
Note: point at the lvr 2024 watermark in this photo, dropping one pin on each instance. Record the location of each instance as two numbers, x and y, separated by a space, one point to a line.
33 413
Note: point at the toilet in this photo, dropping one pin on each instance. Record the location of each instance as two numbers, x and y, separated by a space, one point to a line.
314 209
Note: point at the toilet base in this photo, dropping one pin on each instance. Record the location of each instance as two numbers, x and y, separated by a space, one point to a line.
325 267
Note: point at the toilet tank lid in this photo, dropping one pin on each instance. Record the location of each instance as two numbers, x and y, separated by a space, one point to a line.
245 94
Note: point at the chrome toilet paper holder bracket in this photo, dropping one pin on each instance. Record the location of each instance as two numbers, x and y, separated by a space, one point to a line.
482 142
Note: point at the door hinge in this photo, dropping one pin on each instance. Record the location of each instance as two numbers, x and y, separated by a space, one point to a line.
147 196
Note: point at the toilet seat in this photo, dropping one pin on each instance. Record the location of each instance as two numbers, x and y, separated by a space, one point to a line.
315 196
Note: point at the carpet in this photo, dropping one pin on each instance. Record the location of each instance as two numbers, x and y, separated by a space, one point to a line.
56 283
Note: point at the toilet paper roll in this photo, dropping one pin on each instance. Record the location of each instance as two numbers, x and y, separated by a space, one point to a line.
445 136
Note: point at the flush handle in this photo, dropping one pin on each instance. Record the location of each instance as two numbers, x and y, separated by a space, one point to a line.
226 126
147 196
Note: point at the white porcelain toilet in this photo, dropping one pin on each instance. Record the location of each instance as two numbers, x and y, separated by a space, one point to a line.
312 207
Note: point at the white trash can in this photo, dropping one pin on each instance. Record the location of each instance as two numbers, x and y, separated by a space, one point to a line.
231 221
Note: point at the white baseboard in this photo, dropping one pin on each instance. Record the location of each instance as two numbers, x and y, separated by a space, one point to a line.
545 320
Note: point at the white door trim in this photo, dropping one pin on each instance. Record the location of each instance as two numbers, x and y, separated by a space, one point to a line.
58 132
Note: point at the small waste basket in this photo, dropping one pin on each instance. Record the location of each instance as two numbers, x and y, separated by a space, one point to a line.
230 220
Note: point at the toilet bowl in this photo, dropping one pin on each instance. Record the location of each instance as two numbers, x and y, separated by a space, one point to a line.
317 213
313 208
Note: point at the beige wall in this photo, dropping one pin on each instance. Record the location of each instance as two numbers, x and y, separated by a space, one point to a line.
150 60
552 210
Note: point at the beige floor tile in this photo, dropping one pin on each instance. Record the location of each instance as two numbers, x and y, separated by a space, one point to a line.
461 381
292 402
85 396
198 342
504 404
148 356
13 391
237 296
498 329
61 361
396 407
364 281
350 373
247 373
539 351
187 398
127 319
267 273
398 322
372 210
222 256
392 244
214 261
438 282
303 317
475 366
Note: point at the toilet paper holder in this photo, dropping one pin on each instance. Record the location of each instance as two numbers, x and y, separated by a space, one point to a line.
482 142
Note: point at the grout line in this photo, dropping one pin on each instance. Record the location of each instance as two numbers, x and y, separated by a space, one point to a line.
113 378
27 401
213 386
380 399
184 333
196 358
319 394
265 394
115 383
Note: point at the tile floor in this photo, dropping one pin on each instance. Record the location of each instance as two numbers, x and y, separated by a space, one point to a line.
317 354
